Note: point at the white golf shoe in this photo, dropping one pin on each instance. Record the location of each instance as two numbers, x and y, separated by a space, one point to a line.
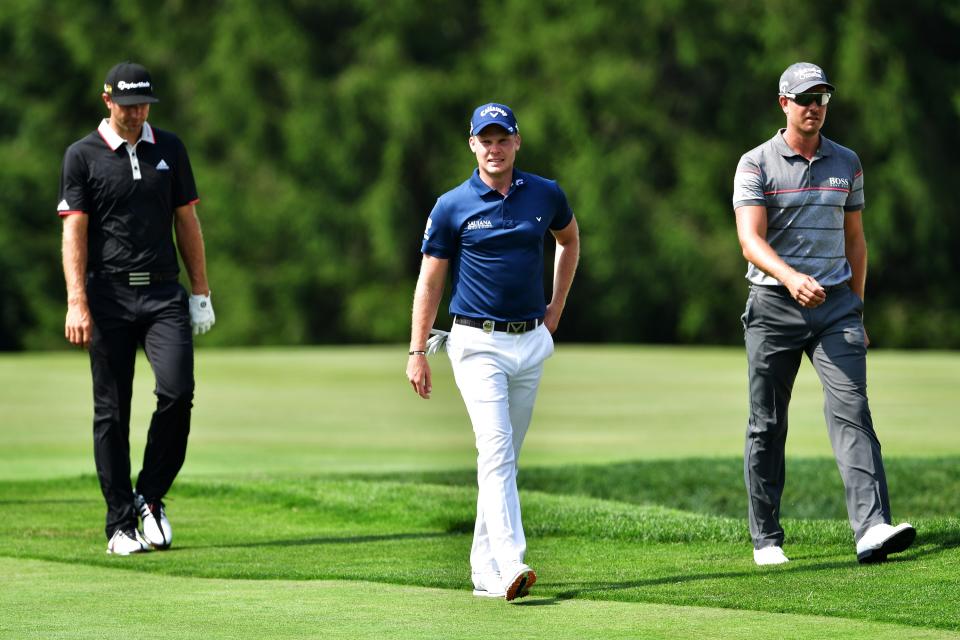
770 556
488 585
881 540
518 582
156 527
123 543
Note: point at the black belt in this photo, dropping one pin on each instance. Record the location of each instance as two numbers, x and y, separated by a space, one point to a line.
135 278
507 326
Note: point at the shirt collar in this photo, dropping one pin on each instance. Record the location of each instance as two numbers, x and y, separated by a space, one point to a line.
114 140
825 148
482 189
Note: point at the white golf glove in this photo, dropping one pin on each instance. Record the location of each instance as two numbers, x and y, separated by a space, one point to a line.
201 313
437 341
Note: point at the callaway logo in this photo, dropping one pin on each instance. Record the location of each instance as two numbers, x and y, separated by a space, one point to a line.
124 85
840 182
479 224
539 218
426 231
163 166
495 110
63 206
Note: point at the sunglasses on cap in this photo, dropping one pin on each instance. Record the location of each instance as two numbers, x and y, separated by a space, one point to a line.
806 99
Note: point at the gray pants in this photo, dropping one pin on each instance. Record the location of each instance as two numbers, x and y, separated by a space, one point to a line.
777 332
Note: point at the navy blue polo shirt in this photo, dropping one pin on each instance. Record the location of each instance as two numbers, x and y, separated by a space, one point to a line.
495 244
130 193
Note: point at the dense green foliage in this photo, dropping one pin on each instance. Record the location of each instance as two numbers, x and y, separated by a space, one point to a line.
322 132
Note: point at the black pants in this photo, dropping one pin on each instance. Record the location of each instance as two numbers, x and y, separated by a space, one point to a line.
157 318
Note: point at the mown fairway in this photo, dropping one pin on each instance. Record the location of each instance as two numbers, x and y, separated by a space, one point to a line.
321 498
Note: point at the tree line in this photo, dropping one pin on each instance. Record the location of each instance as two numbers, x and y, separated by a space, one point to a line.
321 133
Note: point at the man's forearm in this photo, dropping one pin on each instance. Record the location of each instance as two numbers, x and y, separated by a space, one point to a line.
426 299
74 248
564 268
190 245
857 257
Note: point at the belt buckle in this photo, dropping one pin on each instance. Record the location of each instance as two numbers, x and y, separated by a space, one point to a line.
517 327
138 278
487 326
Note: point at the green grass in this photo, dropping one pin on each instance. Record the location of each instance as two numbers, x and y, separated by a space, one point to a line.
321 498
350 409
237 608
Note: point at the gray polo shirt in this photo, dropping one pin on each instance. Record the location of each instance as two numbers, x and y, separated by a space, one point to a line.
806 201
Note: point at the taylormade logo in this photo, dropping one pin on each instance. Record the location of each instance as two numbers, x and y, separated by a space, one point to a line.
123 85
479 224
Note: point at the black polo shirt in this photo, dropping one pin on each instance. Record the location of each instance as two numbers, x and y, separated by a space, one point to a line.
130 193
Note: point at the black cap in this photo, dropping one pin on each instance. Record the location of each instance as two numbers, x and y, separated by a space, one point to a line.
129 83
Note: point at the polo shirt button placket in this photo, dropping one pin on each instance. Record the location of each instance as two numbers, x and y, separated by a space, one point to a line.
134 163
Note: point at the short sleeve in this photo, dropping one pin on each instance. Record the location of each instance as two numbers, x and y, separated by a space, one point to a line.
748 184
74 196
855 199
563 214
439 239
184 186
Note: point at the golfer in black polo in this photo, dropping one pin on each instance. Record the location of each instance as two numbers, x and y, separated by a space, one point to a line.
122 188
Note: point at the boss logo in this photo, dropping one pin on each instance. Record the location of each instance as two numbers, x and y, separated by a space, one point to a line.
840 182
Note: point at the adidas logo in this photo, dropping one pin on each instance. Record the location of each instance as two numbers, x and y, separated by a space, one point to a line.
163 166
63 206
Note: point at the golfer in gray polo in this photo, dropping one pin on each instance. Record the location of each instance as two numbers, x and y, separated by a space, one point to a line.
799 202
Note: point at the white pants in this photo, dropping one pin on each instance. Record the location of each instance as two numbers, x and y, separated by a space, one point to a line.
498 375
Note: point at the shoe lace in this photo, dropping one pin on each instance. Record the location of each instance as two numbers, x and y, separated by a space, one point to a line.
156 508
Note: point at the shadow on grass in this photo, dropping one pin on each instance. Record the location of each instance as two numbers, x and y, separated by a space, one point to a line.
926 487
929 546
328 540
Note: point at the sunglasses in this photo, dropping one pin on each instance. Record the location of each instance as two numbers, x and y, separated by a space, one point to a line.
806 99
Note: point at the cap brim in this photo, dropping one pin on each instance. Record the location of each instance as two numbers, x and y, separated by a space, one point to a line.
800 88
491 123
126 101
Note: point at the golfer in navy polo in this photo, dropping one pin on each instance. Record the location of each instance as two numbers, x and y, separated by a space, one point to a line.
123 188
488 233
